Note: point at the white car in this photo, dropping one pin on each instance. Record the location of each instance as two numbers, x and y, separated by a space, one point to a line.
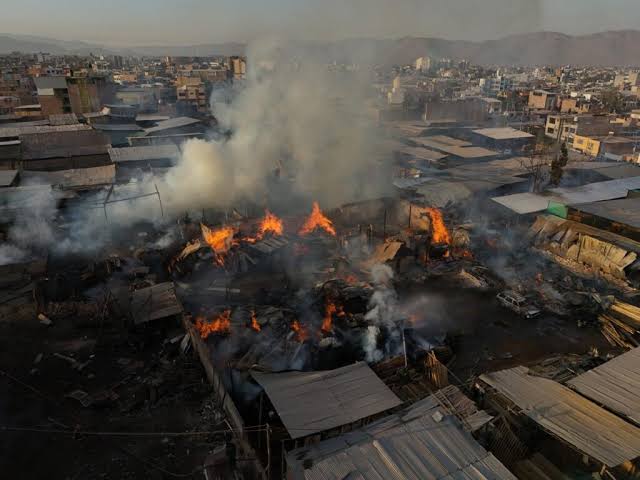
518 304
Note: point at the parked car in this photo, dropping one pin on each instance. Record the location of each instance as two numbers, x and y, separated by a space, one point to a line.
518 304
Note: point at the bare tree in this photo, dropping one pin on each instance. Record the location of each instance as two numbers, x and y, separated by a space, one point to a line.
536 163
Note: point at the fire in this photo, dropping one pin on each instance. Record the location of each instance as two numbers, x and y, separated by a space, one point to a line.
254 322
317 220
270 224
220 325
330 309
220 240
301 332
438 228
351 279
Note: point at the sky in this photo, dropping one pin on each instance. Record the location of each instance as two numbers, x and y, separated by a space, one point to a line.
184 22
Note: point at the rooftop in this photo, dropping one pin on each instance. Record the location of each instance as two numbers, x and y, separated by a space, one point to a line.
113 127
568 416
63 144
524 203
615 385
12 132
422 442
73 178
506 133
137 154
466 152
312 402
625 210
172 123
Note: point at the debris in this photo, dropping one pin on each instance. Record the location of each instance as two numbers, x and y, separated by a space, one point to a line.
44 320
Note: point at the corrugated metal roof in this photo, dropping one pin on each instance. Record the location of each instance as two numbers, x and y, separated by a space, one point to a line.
73 178
151 117
572 418
625 210
312 402
524 203
50 82
411 444
616 385
154 303
422 153
63 119
145 153
116 127
467 152
7 177
63 144
19 130
172 123
505 133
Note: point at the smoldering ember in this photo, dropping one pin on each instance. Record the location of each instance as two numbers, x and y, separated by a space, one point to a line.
283 264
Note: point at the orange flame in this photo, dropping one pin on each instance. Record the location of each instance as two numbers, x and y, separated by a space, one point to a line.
317 220
220 240
331 309
351 279
220 325
254 322
301 332
438 228
270 224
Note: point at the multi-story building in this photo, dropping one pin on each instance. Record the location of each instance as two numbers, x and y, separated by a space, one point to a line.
423 64
237 67
542 100
73 94
496 85
53 95
566 128
191 94
88 94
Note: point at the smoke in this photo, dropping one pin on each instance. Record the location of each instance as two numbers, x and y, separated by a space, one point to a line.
382 313
296 125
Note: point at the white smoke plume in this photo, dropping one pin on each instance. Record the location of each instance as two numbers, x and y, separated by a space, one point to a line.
295 116
382 312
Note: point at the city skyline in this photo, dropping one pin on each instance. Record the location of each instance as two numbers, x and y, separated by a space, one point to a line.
147 23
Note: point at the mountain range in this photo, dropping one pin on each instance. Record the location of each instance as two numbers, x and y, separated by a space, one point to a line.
613 48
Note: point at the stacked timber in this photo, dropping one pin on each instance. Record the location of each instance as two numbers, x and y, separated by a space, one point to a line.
620 324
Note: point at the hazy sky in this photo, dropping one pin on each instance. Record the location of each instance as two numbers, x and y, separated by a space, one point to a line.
152 22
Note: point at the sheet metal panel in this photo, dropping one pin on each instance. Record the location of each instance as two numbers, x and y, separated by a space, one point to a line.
312 402
569 416
408 445
615 384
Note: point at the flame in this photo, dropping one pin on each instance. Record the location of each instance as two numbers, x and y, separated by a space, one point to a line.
317 220
468 254
438 228
329 310
351 279
254 322
220 240
270 224
301 332
220 325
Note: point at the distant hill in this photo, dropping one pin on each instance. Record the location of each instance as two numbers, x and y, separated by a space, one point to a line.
543 48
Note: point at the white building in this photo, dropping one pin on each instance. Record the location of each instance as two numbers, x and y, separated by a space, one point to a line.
423 64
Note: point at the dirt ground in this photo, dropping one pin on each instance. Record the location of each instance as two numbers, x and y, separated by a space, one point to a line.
151 386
